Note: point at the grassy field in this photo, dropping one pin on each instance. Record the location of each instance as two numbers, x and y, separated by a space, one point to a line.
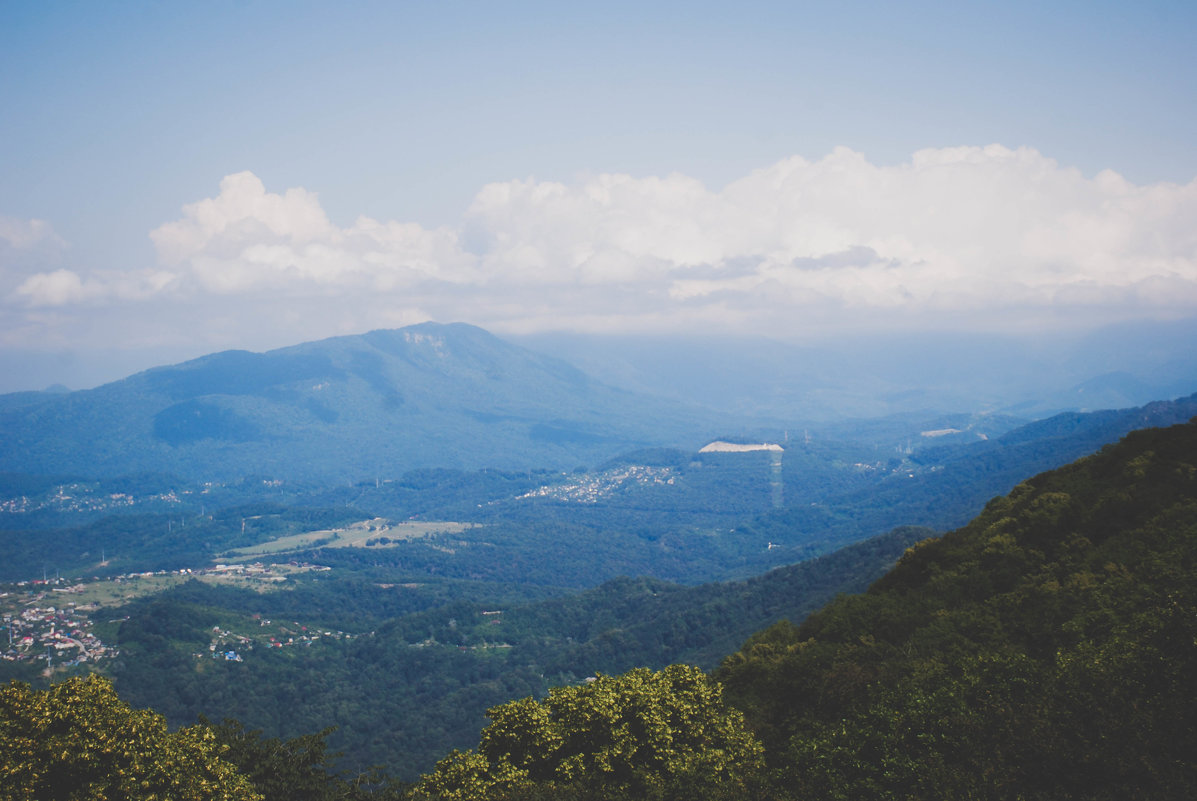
88 595
355 536
114 592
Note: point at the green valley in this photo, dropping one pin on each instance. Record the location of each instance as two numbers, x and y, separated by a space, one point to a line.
1044 650
371 622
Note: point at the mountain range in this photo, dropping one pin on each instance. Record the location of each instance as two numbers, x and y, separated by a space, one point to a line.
1030 375
470 585
359 407
346 408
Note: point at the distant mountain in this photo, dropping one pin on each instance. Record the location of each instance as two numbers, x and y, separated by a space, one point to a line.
870 376
943 487
1108 391
342 409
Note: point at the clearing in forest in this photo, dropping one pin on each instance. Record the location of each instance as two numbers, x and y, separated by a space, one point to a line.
376 533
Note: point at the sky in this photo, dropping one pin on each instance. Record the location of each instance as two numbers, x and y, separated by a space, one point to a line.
180 178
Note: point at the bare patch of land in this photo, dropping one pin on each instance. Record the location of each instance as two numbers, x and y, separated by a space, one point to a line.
93 594
376 533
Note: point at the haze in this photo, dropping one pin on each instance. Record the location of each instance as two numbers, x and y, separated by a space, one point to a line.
180 179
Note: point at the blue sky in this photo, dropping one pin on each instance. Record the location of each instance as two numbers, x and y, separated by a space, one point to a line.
179 178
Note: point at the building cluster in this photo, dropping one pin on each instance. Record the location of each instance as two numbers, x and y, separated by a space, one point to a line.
60 637
81 498
592 488
230 646
41 625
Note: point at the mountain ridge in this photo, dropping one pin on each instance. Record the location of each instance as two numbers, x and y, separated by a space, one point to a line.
342 408
1044 650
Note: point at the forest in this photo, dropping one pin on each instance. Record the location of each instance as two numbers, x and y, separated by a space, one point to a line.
1046 649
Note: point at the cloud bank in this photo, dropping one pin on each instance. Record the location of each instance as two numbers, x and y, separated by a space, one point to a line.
967 237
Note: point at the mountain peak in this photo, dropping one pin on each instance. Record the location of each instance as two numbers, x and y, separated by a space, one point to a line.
432 394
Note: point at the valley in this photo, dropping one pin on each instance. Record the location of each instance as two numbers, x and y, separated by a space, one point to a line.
398 599
375 533
598 402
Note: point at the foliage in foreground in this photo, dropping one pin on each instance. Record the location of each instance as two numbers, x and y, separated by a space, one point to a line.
78 740
298 769
644 734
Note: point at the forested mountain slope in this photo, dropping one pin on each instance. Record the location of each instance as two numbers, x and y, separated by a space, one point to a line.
1048 649
419 684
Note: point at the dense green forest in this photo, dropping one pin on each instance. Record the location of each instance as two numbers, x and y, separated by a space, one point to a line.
429 661
1046 650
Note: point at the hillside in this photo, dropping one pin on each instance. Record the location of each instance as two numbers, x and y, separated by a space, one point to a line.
1045 650
347 408
405 690
944 486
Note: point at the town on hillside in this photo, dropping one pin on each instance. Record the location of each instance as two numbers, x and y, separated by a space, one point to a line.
49 622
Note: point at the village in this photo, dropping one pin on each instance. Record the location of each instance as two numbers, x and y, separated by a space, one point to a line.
61 637
80 497
49 620
592 488
232 646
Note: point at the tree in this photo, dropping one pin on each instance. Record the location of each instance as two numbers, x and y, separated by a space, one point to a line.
78 740
296 769
643 734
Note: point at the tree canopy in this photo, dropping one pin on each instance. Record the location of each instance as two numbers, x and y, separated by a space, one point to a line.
1046 650
78 740
643 734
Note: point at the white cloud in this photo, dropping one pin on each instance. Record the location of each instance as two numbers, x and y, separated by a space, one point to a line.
971 229
53 289
66 287
26 235
27 247
242 211
247 239
985 234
